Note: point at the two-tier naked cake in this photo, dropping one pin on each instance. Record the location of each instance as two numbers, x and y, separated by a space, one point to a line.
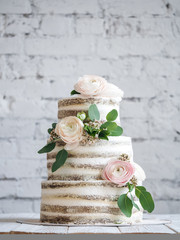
92 178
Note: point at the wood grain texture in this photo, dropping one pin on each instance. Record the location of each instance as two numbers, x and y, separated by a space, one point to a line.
8 224
175 226
27 228
93 229
6 227
146 229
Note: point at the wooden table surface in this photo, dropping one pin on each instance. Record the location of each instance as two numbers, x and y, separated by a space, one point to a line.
8 225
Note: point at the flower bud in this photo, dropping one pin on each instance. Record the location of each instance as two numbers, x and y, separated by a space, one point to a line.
81 116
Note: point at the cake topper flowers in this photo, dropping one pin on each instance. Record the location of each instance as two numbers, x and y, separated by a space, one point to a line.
121 173
73 130
90 85
94 86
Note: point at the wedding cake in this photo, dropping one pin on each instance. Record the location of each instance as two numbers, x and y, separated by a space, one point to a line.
92 178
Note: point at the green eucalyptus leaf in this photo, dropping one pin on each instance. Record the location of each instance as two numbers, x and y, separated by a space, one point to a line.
111 116
73 92
134 204
48 148
139 189
93 112
110 126
60 159
50 130
103 134
130 186
116 132
125 205
54 125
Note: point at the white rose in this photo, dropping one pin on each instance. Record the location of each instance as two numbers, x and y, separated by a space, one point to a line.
139 172
112 91
90 85
70 129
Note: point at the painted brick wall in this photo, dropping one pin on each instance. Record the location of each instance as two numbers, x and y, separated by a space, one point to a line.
45 45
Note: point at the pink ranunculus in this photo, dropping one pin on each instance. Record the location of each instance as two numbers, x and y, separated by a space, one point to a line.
119 172
90 85
70 129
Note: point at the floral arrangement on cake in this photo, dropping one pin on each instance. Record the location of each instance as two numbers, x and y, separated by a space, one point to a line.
81 128
87 129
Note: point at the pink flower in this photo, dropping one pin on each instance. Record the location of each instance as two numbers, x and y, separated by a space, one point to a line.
70 129
119 172
90 85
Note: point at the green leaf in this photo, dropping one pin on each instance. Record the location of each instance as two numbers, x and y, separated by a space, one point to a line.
93 112
111 116
49 130
145 198
138 190
116 132
125 205
60 159
94 132
146 201
54 125
90 130
48 148
74 92
130 186
110 126
103 134
134 204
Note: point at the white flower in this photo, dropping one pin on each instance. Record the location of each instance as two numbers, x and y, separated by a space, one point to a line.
112 91
70 129
139 172
90 85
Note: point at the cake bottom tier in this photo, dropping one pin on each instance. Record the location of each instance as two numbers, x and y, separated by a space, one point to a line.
80 202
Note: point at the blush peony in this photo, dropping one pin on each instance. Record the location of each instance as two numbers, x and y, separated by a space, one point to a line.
119 172
90 85
70 129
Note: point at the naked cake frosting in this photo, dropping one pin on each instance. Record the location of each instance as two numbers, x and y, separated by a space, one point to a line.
92 177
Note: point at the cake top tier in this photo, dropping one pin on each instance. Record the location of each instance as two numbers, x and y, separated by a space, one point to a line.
72 105
92 86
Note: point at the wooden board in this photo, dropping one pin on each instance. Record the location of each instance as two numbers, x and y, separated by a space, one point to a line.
6 227
175 226
152 224
28 228
146 229
93 229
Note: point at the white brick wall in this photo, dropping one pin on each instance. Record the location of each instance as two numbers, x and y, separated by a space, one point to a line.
45 45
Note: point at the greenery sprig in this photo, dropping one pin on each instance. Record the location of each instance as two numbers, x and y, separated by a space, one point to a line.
126 204
109 128
73 92
102 131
